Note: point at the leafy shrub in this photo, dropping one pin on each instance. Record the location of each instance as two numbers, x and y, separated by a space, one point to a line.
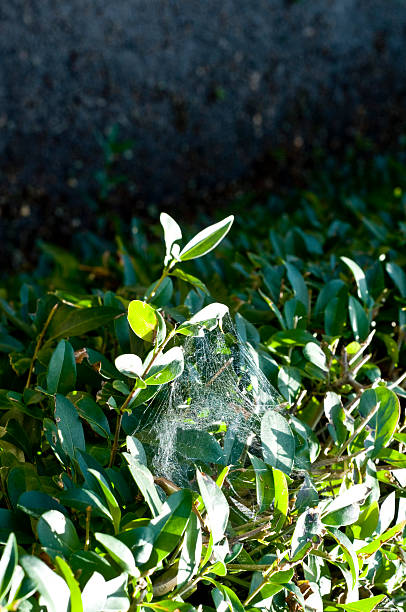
310 513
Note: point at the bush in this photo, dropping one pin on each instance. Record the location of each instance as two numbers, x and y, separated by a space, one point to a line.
293 499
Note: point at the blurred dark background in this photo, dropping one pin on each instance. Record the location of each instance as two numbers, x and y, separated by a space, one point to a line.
143 105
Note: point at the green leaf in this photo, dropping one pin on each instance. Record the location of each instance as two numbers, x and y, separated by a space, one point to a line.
358 319
387 418
335 415
224 595
145 482
172 233
348 552
278 442
361 282
191 551
315 355
376 544
367 522
94 594
69 322
112 504
207 318
281 503
307 531
192 280
365 605
274 309
290 338
289 382
130 365
398 276
307 496
119 552
298 285
70 430
206 240
166 367
52 588
216 505
92 414
265 488
8 344
81 498
170 525
335 316
199 446
344 516
36 503
57 534
75 595
327 293
143 320
61 376
8 563
160 292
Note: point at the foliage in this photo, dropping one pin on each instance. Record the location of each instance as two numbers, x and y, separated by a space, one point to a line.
313 516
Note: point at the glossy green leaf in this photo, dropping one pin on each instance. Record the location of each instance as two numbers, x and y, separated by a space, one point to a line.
344 516
377 542
278 442
315 355
143 320
348 552
358 319
191 551
207 318
119 552
307 531
359 275
327 293
70 430
298 284
112 503
61 376
145 482
192 280
386 419
398 276
216 505
52 588
130 365
335 316
265 488
57 534
166 367
206 240
281 503
91 412
75 595
8 563
169 526
160 292
172 233
36 503
69 322
94 594
367 522
364 605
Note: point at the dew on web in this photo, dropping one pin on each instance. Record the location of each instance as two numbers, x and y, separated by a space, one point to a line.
221 389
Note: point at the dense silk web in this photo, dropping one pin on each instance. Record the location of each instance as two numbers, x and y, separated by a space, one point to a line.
221 388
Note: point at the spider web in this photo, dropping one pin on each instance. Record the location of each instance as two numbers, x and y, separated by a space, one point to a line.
222 389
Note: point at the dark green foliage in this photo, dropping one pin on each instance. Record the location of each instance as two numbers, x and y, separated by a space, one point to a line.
313 514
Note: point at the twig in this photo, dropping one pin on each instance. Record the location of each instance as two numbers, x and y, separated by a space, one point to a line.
220 371
39 342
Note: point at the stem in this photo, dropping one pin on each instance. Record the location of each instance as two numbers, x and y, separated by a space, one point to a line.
39 342
159 283
359 428
87 540
135 391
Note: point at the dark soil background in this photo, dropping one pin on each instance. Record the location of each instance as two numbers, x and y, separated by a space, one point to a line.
208 99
